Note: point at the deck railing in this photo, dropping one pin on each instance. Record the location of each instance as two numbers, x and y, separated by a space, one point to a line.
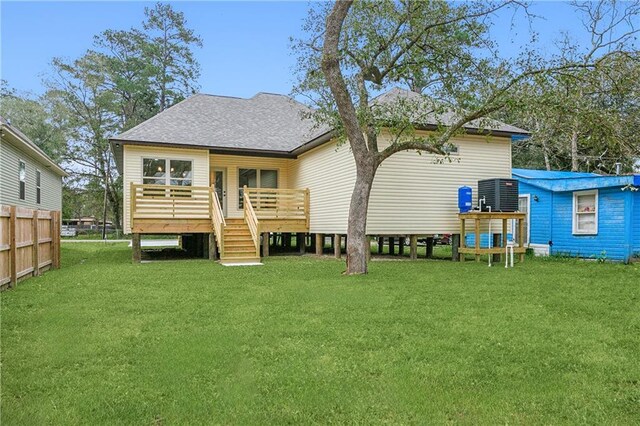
217 219
283 204
251 220
169 202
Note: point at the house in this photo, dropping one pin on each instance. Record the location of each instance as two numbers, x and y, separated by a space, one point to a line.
28 177
581 214
240 169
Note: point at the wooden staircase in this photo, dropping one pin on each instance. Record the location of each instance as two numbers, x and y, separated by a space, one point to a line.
238 244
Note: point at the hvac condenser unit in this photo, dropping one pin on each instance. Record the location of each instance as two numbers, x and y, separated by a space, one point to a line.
500 194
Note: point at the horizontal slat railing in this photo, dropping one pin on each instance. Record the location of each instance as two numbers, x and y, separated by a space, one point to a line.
279 203
170 202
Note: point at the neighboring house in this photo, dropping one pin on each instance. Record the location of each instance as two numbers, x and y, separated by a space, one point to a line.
581 214
28 177
299 178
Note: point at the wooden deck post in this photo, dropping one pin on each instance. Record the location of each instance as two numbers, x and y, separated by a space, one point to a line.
392 245
35 249
455 244
265 244
462 239
504 236
337 246
13 259
521 237
401 246
301 242
429 248
413 249
136 248
477 234
319 244
213 246
380 245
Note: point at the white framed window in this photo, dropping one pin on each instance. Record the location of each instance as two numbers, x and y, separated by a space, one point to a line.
38 190
164 171
585 212
255 178
22 178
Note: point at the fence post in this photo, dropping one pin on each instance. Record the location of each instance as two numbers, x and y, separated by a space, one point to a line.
35 249
55 240
12 247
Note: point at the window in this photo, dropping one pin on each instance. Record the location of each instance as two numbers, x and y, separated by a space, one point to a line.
255 178
585 212
38 192
22 176
450 149
154 172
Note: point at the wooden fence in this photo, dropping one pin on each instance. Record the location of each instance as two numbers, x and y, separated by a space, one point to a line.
29 243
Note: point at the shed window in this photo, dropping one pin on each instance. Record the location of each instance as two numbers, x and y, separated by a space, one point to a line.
255 178
22 177
38 191
585 212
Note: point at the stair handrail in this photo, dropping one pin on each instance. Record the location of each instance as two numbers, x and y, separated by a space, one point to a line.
217 218
251 219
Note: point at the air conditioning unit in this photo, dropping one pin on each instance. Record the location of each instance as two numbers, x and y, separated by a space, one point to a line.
500 194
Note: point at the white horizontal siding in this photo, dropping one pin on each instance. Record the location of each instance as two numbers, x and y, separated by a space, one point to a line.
412 193
132 169
233 163
50 182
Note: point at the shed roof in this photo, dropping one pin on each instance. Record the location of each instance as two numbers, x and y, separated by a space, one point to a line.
561 181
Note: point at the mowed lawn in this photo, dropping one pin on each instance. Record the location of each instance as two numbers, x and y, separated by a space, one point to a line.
103 341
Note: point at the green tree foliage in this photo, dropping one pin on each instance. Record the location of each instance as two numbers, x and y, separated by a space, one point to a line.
125 79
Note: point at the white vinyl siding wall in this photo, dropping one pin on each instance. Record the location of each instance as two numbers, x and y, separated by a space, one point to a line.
50 183
233 163
132 169
411 194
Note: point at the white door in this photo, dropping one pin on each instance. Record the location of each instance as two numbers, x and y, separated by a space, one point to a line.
523 207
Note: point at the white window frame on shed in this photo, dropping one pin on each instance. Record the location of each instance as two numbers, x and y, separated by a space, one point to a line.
576 213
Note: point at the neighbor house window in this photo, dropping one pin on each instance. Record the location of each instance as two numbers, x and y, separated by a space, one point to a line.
585 212
22 176
450 149
38 191
255 178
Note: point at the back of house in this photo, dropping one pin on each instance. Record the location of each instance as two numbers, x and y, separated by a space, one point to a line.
581 214
298 175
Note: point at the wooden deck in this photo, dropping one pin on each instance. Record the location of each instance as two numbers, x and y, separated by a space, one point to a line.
162 209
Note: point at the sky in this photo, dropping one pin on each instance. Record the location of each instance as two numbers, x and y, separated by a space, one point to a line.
246 46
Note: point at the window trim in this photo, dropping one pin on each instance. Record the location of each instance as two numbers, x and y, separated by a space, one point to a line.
38 186
575 213
22 183
167 165
258 179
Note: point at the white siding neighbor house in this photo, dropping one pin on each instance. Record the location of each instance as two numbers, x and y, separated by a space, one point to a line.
241 170
28 177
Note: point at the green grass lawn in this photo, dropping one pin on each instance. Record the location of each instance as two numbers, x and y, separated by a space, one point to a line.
105 341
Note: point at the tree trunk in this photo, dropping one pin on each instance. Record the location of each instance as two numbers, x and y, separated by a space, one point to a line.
357 228
574 151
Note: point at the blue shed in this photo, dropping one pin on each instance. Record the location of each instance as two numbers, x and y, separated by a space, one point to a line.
581 214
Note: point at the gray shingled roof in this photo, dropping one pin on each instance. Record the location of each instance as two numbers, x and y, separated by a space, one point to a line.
427 112
267 122
264 122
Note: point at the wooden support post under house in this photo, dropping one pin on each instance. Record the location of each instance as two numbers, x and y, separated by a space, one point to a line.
319 244
413 247
301 242
213 246
136 248
401 241
380 245
392 245
337 246
265 244
429 248
455 244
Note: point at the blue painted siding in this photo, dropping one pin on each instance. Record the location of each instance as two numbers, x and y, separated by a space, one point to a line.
613 239
540 215
635 212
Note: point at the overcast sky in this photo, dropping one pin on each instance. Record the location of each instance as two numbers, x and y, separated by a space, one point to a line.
246 44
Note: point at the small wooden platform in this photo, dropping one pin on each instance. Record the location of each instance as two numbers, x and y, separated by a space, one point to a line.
477 217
